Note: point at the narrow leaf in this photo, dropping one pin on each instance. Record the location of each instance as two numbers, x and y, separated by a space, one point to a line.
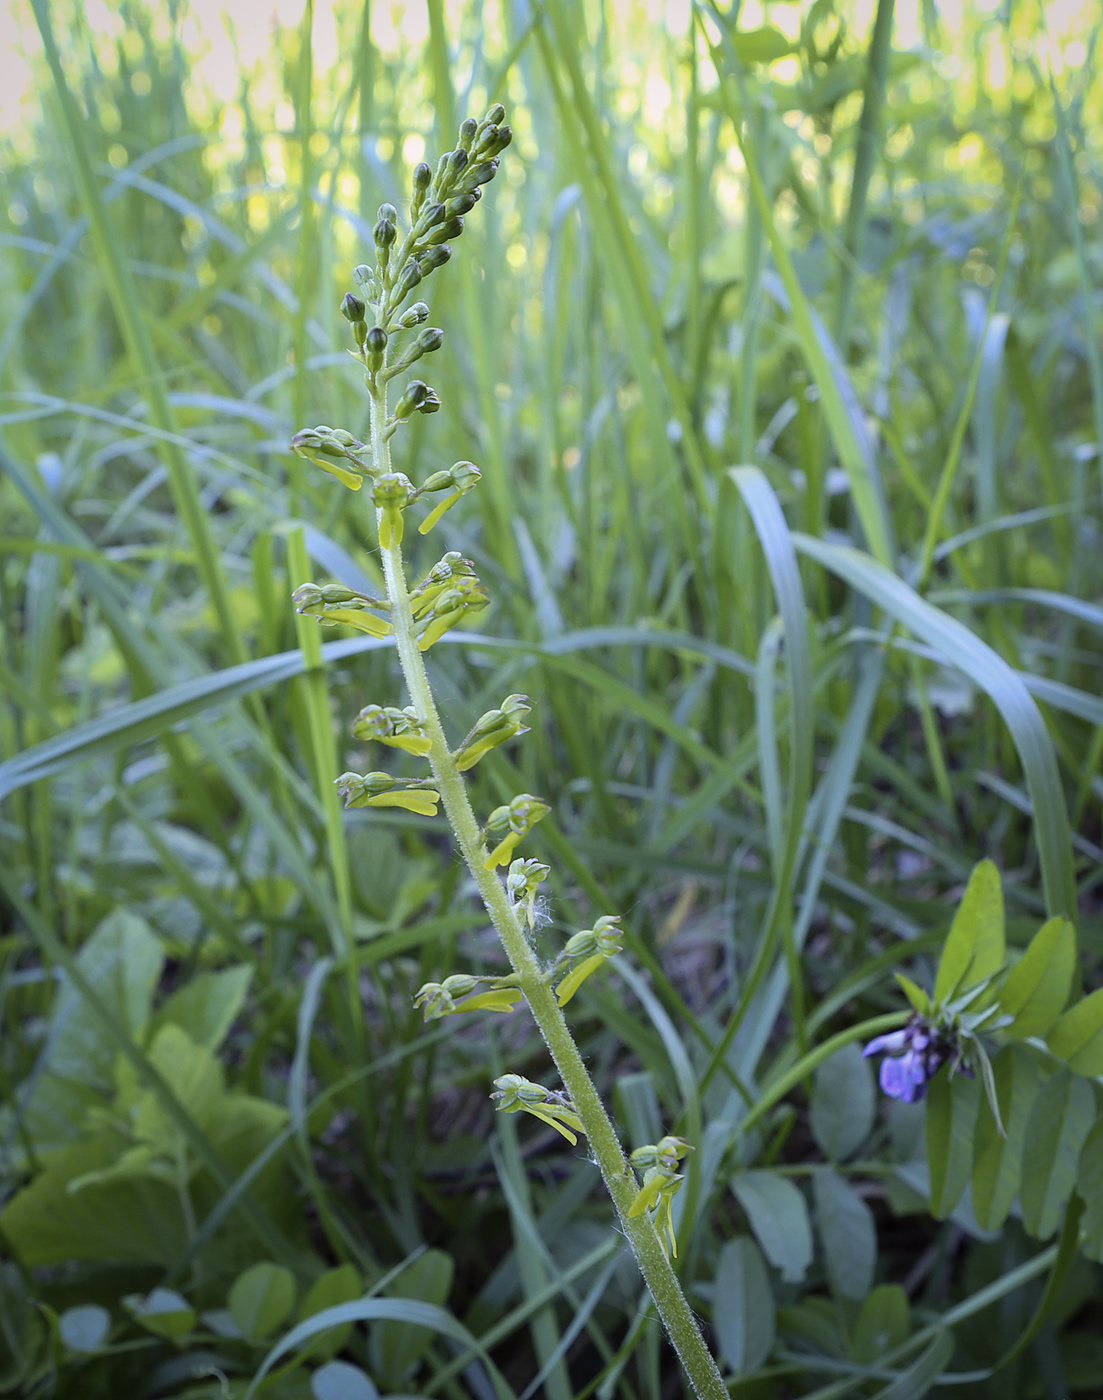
952 1106
997 1164
974 946
1063 1113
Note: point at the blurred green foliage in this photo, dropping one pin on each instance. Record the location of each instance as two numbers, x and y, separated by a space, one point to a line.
222 1116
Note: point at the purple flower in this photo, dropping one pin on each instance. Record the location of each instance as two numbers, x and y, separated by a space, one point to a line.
912 1059
904 1077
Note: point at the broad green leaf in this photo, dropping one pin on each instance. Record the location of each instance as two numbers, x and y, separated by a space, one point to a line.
329 1290
744 1315
883 1323
763 45
261 1299
1038 988
997 1164
84 1328
163 1312
1060 1120
122 961
952 1105
397 1347
843 1103
340 1381
207 1005
974 947
847 1234
1078 1035
778 1216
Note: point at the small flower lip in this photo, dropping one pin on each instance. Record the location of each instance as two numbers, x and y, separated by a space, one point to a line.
890 1044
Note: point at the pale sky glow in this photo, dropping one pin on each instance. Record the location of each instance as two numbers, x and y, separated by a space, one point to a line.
405 24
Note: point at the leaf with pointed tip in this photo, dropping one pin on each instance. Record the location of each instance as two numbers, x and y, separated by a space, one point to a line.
1078 1035
1038 988
974 947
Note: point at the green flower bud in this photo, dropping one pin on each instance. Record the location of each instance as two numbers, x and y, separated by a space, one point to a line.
430 403
423 177
460 984
430 339
468 129
457 160
481 174
352 308
430 216
413 397
451 228
364 277
375 343
495 115
463 203
434 257
408 279
414 315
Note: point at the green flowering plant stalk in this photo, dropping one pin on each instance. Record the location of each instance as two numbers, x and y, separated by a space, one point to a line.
390 337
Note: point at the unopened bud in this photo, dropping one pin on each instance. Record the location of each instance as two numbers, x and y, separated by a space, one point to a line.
422 176
495 115
467 133
463 203
363 276
451 228
408 279
457 160
434 257
414 396
414 315
387 213
430 403
430 339
375 344
430 216
482 174
352 308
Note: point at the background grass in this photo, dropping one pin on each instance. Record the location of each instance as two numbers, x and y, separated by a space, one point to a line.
862 265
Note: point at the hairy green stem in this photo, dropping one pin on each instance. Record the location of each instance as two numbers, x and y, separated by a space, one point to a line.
658 1274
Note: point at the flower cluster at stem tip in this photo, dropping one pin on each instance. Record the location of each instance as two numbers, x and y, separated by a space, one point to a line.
390 337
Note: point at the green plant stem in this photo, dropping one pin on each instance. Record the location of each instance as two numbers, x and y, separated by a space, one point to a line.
658 1274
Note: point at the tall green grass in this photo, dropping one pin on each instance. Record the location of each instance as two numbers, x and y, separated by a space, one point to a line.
868 280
